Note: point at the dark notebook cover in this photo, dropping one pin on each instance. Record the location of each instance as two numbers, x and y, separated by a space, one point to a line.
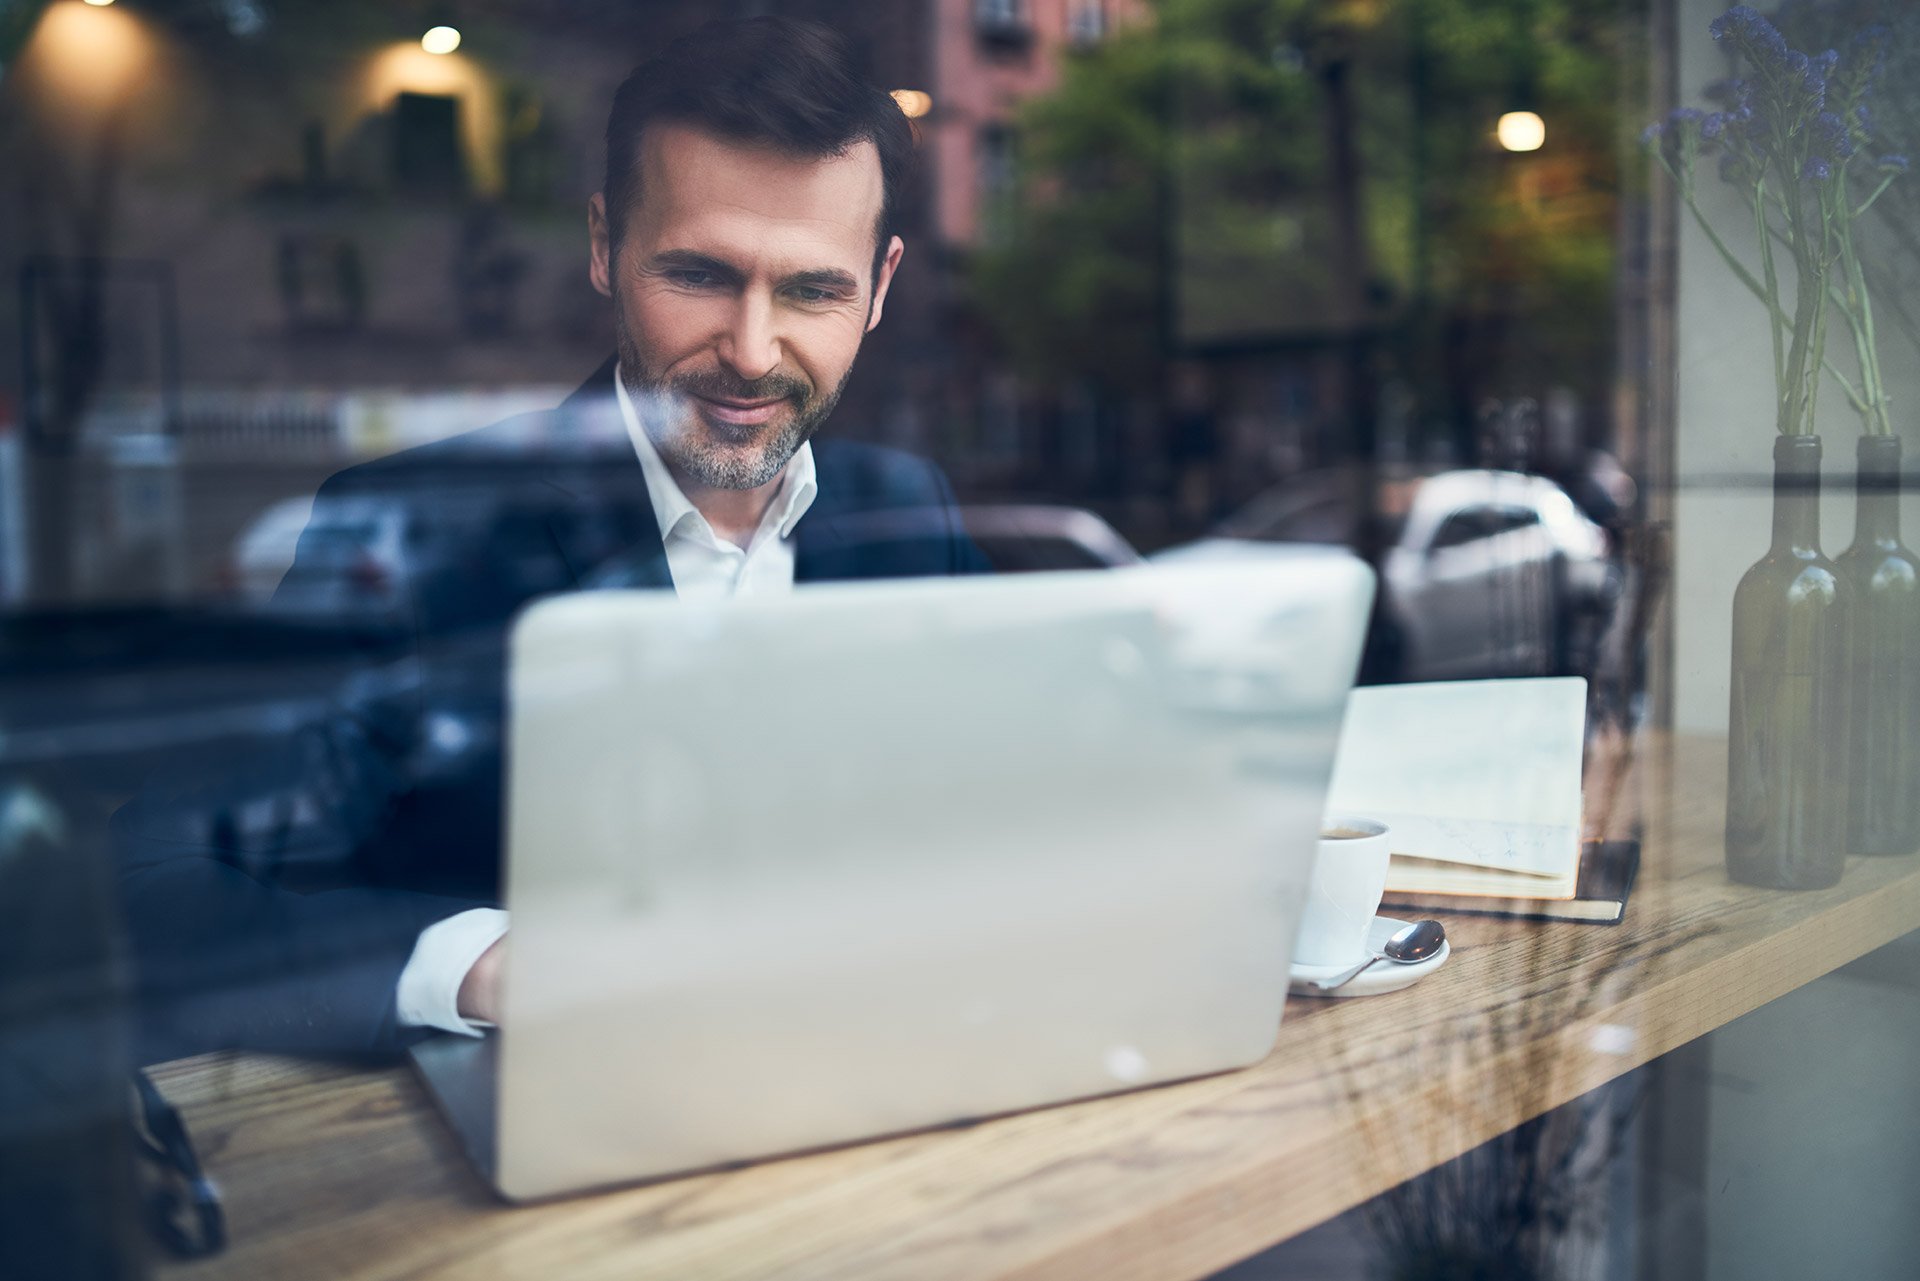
1607 871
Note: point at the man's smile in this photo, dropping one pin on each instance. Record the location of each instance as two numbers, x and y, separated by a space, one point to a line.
738 413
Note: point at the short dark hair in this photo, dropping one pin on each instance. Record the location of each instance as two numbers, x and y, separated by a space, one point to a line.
773 82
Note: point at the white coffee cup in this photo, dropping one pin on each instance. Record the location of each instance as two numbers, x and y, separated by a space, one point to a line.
1349 876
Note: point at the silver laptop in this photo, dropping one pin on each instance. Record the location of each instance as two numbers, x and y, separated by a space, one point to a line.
876 857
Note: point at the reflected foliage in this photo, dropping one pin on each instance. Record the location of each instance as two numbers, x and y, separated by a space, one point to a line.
1893 275
1274 172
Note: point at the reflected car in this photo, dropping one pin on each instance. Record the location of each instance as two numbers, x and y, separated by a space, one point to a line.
1025 538
1015 538
418 550
1482 573
356 562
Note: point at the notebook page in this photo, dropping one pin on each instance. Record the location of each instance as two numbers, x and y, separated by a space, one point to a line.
1479 772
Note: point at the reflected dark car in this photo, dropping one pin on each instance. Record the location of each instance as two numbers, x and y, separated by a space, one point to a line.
1482 573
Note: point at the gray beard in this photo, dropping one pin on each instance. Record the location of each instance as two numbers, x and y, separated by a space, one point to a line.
670 421
717 466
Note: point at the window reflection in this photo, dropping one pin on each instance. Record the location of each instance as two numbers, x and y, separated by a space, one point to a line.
311 392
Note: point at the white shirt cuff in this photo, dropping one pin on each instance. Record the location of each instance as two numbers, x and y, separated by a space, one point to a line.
429 990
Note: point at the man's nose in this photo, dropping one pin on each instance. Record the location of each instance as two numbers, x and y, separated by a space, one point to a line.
750 347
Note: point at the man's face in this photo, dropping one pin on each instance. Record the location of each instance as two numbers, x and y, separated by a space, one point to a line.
743 285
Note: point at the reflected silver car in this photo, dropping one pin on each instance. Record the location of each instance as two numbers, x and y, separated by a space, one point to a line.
1495 573
356 561
1482 573
370 557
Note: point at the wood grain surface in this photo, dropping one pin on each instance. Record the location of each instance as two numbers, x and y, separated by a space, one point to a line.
330 1171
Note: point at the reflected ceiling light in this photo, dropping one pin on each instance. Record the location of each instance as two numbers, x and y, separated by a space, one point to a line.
86 56
914 103
99 4
441 39
1521 131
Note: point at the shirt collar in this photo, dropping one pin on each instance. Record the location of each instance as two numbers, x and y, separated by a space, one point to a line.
798 486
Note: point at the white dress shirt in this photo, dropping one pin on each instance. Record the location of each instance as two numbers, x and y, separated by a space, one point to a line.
704 566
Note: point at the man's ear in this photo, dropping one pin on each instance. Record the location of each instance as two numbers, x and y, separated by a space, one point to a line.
599 245
888 265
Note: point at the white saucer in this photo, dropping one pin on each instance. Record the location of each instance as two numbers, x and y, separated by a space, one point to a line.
1381 976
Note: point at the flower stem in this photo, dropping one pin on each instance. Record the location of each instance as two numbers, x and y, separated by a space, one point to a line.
1868 202
1860 315
1774 314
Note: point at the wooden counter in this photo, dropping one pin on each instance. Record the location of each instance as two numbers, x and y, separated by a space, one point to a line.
330 1172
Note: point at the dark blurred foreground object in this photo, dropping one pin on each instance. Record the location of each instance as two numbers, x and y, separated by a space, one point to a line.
1482 573
1786 744
1881 576
183 1210
68 1193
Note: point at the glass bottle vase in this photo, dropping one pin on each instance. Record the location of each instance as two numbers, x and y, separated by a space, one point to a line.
1880 578
1786 795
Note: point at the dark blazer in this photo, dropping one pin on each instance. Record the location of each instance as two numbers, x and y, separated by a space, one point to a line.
274 895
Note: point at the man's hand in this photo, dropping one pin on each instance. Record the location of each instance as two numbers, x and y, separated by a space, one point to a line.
480 991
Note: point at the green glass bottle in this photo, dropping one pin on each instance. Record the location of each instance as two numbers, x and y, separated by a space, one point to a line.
1786 794
1881 581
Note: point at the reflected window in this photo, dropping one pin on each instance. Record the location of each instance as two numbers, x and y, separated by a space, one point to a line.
1471 524
1002 23
999 174
1467 526
1509 519
1086 21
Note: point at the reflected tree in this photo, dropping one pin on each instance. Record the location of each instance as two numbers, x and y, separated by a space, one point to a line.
1272 175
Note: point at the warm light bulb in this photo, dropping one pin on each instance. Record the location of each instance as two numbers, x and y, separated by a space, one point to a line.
440 40
914 103
99 4
1521 131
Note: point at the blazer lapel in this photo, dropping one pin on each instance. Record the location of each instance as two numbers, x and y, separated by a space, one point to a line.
819 542
605 487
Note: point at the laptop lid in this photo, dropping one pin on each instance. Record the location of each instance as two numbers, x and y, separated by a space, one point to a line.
872 857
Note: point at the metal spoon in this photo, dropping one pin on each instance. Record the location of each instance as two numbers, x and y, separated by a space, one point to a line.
1409 945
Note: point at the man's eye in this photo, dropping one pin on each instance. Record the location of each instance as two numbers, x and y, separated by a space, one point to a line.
813 294
691 278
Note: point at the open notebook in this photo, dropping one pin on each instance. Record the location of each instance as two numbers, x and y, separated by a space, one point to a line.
1478 782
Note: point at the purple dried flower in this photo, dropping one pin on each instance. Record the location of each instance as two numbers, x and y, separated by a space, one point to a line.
1807 79
1829 137
1732 92
1817 169
1651 134
1743 28
1712 125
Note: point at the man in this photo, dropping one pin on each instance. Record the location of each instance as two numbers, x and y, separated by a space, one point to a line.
745 237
